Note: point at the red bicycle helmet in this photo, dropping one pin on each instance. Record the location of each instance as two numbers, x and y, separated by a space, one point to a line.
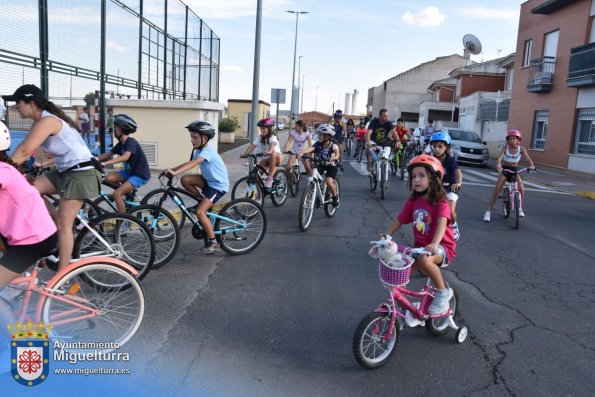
430 162
515 133
266 122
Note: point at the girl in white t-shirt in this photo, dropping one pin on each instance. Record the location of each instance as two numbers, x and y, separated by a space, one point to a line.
268 143
298 140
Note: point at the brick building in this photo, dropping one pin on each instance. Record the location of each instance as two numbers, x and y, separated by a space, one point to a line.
553 95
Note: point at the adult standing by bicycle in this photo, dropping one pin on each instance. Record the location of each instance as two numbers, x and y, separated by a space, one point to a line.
27 231
136 172
509 158
340 130
213 180
75 177
328 153
380 132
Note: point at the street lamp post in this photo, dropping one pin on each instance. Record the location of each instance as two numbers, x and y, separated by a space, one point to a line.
297 15
302 100
298 87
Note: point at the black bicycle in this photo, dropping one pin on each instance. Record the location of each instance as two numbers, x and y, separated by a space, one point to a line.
252 186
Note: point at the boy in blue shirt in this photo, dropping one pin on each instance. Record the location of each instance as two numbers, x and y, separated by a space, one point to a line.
213 180
136 171
453 177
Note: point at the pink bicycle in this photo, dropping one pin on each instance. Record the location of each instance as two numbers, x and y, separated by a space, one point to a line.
511 197
91 300
377 336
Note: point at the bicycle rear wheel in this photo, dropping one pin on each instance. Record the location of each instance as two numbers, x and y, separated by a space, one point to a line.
307 206
280 183
404 159
164 229
359 152
439 326
517 206
243 227
113 314
128 238
247 188
370 347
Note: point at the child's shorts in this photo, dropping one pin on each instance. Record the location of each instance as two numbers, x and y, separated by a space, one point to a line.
441 252
19 258
135 181
212 194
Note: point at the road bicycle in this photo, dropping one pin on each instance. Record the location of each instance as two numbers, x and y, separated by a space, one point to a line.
239 224
163 225
252 186
96 300
511 196
379 157
349 144
315 194
295 175
395 158
412 148
377 336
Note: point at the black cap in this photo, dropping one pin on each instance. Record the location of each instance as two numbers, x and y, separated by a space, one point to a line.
27 92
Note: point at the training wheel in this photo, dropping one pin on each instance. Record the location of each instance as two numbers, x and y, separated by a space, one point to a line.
462 334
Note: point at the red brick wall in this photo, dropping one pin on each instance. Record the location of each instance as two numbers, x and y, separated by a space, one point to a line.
572 21
473 83
446 95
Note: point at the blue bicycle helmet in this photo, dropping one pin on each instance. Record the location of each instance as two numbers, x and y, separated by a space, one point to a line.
440 136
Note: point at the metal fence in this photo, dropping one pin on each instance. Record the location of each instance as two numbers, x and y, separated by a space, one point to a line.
145 49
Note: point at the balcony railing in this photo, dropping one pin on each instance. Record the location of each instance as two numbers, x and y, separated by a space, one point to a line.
581 69
541 74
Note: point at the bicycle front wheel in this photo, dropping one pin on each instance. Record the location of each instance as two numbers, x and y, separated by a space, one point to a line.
517 206
506 202
86 312
403 161
370 347
242 227
279 193
118 235
307 206
164 229
329 210
373 177
294 182
247 188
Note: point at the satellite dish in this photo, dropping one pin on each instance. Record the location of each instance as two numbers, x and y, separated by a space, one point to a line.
472 44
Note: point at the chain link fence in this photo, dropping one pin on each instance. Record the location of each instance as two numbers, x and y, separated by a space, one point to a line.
81 52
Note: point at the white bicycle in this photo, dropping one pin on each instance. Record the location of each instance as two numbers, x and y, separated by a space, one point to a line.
379 156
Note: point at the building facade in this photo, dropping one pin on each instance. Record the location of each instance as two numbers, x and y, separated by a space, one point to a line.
241 108
553 95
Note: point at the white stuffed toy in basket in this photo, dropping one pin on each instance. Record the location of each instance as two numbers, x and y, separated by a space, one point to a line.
394 267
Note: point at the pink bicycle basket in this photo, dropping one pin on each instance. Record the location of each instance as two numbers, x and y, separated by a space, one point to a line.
395 277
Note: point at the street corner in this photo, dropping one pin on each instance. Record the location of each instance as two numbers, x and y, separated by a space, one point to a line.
590 195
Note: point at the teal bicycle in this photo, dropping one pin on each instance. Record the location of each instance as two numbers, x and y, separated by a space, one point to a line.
239 224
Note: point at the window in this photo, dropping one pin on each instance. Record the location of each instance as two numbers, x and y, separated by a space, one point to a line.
527 53
585 132
539 129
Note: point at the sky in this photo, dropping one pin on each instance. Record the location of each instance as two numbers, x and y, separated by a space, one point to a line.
347 45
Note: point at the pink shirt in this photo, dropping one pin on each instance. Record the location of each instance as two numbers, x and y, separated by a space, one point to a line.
24 218
425 217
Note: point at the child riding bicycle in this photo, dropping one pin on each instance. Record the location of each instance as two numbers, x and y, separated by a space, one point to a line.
299 139
328 153
136 171
453 177
268 143
27 232
427 208
213 180
509 158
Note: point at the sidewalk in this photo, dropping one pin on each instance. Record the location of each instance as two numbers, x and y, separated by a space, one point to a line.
567 181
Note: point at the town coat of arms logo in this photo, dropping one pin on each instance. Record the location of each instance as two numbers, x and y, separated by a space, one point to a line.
30 356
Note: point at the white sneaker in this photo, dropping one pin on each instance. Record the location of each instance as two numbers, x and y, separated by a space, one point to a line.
456 232
487 216
521 213
440 303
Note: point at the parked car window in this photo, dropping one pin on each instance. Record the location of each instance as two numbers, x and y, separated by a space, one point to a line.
467 136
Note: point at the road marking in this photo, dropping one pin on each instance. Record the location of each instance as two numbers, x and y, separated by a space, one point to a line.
495 178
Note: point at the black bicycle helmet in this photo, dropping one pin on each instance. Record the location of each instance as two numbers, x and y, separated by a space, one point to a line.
202 128
126 123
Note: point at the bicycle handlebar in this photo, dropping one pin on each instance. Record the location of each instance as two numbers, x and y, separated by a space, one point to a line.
522 170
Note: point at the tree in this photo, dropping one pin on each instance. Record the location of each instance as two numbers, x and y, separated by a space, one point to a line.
90 99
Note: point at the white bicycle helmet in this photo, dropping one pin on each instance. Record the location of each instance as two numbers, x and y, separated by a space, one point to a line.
4 137
326 129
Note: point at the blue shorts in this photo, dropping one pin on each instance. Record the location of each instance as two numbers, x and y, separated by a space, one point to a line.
212 194
135 181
